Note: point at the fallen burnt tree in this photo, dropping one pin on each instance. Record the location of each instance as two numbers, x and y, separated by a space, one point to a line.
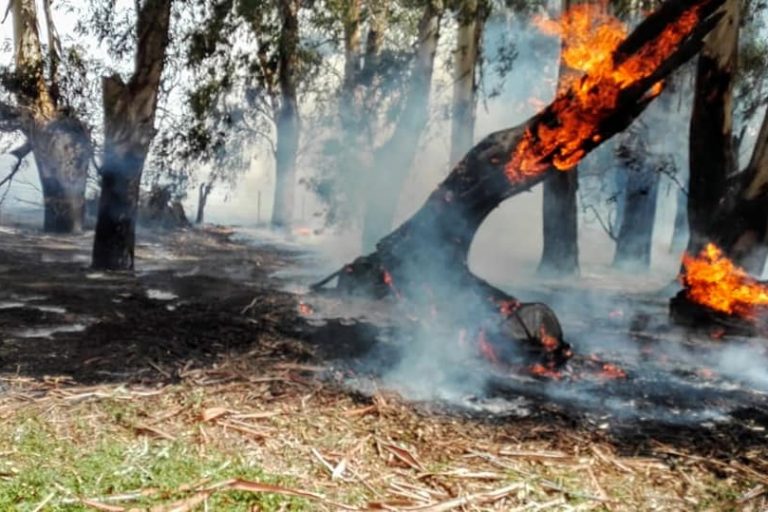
424 261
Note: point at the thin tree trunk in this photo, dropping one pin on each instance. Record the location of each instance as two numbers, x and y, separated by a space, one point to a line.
471 21
287 116
560 250
392 161
712 158
129 127
680 229
202 199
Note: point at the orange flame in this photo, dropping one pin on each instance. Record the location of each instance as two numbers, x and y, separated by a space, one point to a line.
611 371
305 309
540 370
714 281
549 342
486 349
590 95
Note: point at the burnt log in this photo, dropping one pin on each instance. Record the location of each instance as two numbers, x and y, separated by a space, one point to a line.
425 259
689 314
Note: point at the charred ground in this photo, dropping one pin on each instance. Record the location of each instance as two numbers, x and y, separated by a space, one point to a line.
204 318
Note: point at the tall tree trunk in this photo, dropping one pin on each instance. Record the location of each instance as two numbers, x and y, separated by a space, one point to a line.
61 143
634 241
392 161
471 20
129 127
711 151
287 116
560 250
202 199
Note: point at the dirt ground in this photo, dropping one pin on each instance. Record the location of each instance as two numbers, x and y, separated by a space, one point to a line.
193 385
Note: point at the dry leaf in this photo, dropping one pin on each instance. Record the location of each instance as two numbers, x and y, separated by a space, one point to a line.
212 413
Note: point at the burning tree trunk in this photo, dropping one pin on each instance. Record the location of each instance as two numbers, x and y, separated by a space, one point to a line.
471 20
60 142
129 127
393 160
287 115
427 255
712 158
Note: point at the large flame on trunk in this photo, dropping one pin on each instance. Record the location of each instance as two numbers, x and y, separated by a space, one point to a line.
591 89
714 281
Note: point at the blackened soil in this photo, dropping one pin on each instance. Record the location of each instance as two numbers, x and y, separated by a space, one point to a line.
195 296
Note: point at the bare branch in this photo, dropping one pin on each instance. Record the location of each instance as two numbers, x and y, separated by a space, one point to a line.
20 152
607 227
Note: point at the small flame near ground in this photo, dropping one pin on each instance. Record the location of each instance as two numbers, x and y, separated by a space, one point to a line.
712 280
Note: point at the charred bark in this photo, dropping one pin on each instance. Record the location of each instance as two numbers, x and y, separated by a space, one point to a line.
392 161
740 224
426 257
287 116
129 127
712 157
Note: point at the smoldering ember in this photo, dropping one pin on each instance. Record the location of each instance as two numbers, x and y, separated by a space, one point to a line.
466 255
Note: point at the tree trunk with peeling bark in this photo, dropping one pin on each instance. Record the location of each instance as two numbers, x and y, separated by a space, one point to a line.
392 161
287 116
712 157
63 156
471 21
129 127
60 142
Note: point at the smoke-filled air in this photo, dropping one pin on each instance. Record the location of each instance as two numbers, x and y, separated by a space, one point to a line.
407 255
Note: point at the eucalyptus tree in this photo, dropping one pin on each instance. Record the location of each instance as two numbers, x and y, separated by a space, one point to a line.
129 128
42 106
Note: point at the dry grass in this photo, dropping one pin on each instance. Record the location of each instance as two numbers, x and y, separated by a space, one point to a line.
260 433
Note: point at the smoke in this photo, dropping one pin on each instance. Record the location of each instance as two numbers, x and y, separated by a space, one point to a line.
618 318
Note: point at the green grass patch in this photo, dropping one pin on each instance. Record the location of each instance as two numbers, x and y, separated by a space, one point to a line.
38 461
